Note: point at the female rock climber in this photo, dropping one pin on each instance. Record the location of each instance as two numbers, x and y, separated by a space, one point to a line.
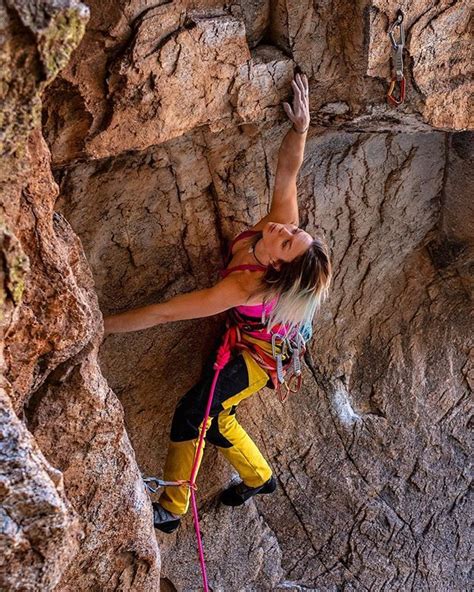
277 275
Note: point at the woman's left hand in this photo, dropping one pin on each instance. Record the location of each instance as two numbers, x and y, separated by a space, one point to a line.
299 114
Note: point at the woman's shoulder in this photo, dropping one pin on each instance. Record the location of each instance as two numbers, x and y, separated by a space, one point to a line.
249 283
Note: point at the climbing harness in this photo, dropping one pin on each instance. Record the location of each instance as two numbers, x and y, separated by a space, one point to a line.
283 364
398 78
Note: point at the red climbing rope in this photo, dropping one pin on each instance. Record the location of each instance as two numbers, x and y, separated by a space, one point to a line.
223 356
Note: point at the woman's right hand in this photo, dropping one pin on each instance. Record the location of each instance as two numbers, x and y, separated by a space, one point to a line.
299 114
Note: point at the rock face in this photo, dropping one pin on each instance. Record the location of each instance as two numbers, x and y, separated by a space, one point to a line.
40 528
143 76
63 445
162 133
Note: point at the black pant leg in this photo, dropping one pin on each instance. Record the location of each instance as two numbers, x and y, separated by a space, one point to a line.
190 410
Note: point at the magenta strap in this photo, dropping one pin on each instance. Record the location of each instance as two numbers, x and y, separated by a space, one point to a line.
242 235
225 272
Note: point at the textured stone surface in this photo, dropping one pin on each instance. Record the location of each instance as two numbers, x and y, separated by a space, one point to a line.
78 422
72 413
37 41
438 66
177 73
39 529
256 566
40 337
164 131
58 528
146 74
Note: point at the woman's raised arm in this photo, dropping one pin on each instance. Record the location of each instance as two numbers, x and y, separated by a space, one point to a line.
225 294
284 206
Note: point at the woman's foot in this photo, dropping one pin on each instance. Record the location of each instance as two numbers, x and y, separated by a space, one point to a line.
163 519
240 493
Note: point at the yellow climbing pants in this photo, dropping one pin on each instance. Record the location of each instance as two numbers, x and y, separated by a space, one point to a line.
240 378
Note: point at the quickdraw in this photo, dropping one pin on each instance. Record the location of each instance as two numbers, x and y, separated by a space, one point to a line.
398 78
287 375
152 484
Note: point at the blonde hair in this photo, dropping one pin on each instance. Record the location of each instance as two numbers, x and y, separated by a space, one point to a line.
300 287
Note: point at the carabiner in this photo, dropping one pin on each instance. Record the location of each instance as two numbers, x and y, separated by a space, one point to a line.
279 369
401 92
295 355
397 23
297 363
157 483
283 394
282 345
293 377
152 484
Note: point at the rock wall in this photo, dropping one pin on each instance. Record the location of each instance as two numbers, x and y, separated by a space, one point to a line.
146 74
163 131
66 459
378 386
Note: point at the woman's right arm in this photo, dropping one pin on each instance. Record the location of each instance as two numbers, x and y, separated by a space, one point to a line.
284 206
225 294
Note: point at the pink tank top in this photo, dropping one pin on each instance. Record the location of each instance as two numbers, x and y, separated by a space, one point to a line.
256 310
250 310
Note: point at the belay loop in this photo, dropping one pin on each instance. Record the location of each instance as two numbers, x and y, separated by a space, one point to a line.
398 78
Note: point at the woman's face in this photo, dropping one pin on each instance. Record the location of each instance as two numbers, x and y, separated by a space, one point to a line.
285 241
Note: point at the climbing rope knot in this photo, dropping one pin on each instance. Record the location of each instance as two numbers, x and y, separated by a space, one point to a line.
221 359
224 352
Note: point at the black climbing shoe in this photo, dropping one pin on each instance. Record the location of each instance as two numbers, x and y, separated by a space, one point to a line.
240 493
164 520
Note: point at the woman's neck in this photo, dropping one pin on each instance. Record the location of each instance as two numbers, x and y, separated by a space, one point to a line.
259 252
